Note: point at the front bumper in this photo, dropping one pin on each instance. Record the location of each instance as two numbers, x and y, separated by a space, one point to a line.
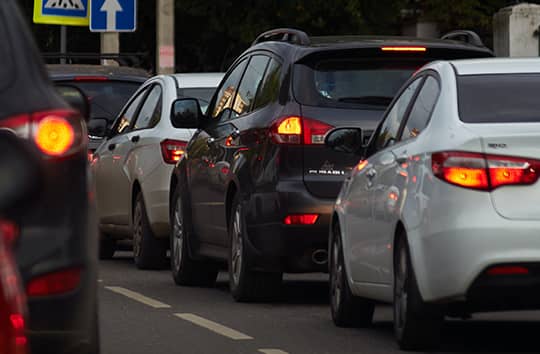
287 248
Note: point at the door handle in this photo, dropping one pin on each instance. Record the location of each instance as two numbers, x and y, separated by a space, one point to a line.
235 134
371 173
210 141
135 139
111 147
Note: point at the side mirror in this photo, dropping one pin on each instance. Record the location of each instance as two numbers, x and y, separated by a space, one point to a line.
97 128
186 113
75 98
348 140
20 172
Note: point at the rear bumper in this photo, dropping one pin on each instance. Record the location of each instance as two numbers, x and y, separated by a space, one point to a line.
287 248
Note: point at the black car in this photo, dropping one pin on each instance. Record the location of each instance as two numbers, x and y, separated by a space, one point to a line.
57 249
257 185
107 87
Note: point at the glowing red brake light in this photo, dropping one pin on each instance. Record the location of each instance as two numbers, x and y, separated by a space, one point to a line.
90 78
172 150
54 283
299 130
484 172
301 219
403 49
508 270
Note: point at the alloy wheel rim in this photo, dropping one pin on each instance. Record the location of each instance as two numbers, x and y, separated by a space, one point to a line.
236 247
178 236
137 232
337 275
400 307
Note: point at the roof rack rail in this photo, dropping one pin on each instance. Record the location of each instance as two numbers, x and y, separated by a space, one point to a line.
471 37
288 35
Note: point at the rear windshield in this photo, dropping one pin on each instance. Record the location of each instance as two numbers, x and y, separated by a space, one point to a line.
203 94
499 98
352 83
107 97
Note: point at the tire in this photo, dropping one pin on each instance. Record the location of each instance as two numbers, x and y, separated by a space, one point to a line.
347 310
148 251
185 270
107 247
246 284
417 325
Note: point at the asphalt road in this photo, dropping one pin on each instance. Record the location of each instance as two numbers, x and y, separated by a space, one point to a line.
143 312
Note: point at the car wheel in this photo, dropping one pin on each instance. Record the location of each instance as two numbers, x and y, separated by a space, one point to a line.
246 284
185 270
107 247
148 251
347 310
417 325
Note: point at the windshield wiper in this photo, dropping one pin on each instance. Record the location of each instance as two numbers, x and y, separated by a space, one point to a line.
373 100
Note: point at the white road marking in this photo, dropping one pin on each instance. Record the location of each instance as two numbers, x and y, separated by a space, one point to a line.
138 297
213 326
100 280
272 351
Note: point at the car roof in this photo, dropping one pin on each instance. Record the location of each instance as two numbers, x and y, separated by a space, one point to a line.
496 66
186 80
59 72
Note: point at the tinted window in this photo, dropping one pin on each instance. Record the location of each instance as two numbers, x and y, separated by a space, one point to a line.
250 84
388 133
422 108
107 97
499 98
370 84
203 94
223 103
124 120
269 89
150 112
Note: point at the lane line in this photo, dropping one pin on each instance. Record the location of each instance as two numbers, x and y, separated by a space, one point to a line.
272 351
138 297
100 280
213 326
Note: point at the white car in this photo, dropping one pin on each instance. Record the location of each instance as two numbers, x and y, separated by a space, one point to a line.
132 167
442 217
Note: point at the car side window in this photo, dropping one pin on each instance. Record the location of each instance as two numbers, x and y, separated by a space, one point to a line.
421 109
249 85
269 88
123 122
388 132
150 112
223 102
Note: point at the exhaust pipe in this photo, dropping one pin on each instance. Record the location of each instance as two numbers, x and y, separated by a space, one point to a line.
320 257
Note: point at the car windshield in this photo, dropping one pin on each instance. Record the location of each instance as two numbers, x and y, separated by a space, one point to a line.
107 97
508 98
203 94
351 82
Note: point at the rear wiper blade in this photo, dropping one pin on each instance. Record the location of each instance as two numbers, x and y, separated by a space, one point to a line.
374 100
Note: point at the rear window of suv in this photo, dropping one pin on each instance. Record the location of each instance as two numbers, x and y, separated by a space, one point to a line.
499 98
368 83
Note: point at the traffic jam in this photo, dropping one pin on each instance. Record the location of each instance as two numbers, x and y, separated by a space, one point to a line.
387 185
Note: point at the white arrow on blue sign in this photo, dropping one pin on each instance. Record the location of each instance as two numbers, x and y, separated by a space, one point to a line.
113 15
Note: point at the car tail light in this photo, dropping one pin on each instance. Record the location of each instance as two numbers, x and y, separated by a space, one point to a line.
484 172
56 133
301 219
90 78
403 49
18 326
8 231
299 130
508 270
55 283
172 150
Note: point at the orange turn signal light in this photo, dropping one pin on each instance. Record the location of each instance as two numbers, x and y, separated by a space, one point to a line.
54 135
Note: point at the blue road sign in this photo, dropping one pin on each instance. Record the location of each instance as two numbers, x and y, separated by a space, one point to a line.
61 12
113 15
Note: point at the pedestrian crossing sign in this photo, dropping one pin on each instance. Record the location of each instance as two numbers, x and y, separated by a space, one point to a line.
61 12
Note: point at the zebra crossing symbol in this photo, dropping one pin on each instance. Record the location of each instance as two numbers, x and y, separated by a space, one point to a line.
61 12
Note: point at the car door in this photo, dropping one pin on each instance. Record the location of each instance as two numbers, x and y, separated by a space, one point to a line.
204 151
112 187
365 242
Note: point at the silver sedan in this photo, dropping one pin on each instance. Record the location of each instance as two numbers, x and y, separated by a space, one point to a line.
441 217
